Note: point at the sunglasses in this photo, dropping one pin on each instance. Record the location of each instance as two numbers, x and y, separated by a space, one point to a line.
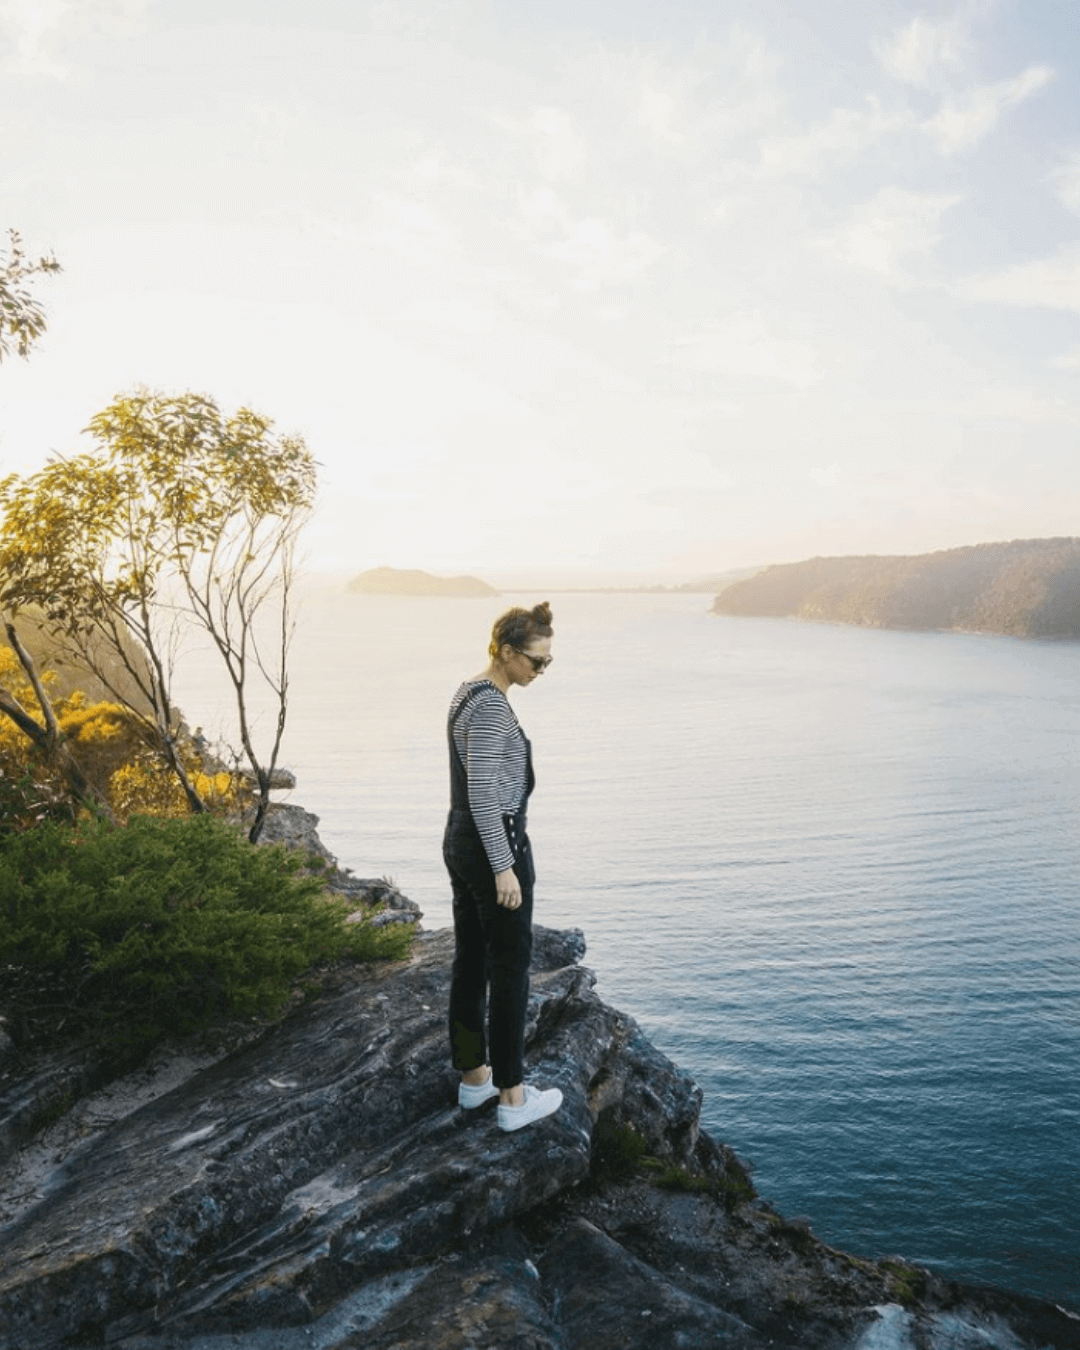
539 663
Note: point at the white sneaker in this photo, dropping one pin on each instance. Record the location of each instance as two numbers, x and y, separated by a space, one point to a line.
472 1095
538 1104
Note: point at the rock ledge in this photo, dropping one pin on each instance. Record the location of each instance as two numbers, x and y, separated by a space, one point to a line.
320 1188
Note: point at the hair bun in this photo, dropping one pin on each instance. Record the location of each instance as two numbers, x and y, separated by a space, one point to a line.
517 627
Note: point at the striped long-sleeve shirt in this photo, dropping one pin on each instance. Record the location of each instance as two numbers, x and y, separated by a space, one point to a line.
492 747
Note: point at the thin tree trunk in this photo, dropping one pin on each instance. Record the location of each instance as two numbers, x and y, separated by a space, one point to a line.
48 737
29 665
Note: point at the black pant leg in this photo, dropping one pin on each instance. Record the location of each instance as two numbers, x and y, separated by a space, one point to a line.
509 942
468 980
493 949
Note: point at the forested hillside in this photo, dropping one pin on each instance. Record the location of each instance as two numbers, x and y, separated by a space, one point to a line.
1025 588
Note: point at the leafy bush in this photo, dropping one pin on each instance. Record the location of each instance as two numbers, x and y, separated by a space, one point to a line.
907 1283
28 797
30 791
732 1187
144 784
115 749
161 926
616 1150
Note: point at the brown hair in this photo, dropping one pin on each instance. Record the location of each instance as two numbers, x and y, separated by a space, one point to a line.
517 627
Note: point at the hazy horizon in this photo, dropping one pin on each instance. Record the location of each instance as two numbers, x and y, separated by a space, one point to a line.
505 577
554 289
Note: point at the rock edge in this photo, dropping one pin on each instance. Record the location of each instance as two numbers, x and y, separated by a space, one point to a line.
320 1188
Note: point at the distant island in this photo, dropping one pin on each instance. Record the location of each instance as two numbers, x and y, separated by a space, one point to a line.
410 581
1024 588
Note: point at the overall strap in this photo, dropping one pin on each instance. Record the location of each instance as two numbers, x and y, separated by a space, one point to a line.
452 720
459 782
459 787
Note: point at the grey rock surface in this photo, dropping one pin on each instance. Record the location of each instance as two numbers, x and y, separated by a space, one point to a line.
320 1188
298 828
368 892
295 827
7 1045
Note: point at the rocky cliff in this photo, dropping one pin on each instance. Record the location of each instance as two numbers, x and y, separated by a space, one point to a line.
318 1187
1025 588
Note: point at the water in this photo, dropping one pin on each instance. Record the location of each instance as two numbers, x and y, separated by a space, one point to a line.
832 872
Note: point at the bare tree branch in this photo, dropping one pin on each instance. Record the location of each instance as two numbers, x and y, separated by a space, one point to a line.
176 496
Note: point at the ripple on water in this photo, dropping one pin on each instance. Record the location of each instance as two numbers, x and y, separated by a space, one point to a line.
831 871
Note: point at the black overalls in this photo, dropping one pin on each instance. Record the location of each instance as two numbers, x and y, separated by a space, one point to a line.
493 943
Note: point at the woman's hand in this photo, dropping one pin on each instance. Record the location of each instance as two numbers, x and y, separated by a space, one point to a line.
507 889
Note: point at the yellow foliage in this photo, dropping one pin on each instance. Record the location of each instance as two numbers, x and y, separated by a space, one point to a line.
13 677
145 787
114 749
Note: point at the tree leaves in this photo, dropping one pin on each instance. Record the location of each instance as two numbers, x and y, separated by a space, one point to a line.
176 499
22 319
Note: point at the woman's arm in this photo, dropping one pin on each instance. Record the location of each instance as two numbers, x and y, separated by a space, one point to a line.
488 733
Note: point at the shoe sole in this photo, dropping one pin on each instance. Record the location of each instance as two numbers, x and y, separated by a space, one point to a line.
523 1124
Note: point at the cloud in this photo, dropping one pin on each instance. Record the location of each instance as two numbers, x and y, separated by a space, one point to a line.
543 211
517 292
895 224
965 119
926 50
917 53
33 28
418 19
1069 360
742 347
1021 405
1051 283
598 256
37 29
825 475
657 114
847 131
590 248
413 227
683 470
1066 180
560 148
467 320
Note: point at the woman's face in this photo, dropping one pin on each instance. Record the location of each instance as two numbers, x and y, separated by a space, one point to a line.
524 664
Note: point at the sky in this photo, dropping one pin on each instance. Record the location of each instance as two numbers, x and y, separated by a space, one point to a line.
571 288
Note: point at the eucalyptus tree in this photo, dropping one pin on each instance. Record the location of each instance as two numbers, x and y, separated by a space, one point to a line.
22 318
42 729
22 323
181 517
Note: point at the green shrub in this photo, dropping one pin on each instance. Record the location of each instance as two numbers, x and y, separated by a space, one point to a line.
907 1284
161 926
28 796
616 1150
676 1178
732 1187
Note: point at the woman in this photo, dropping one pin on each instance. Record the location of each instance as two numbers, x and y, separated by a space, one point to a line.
489 858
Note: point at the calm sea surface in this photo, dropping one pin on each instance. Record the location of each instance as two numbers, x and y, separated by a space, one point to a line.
834 873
